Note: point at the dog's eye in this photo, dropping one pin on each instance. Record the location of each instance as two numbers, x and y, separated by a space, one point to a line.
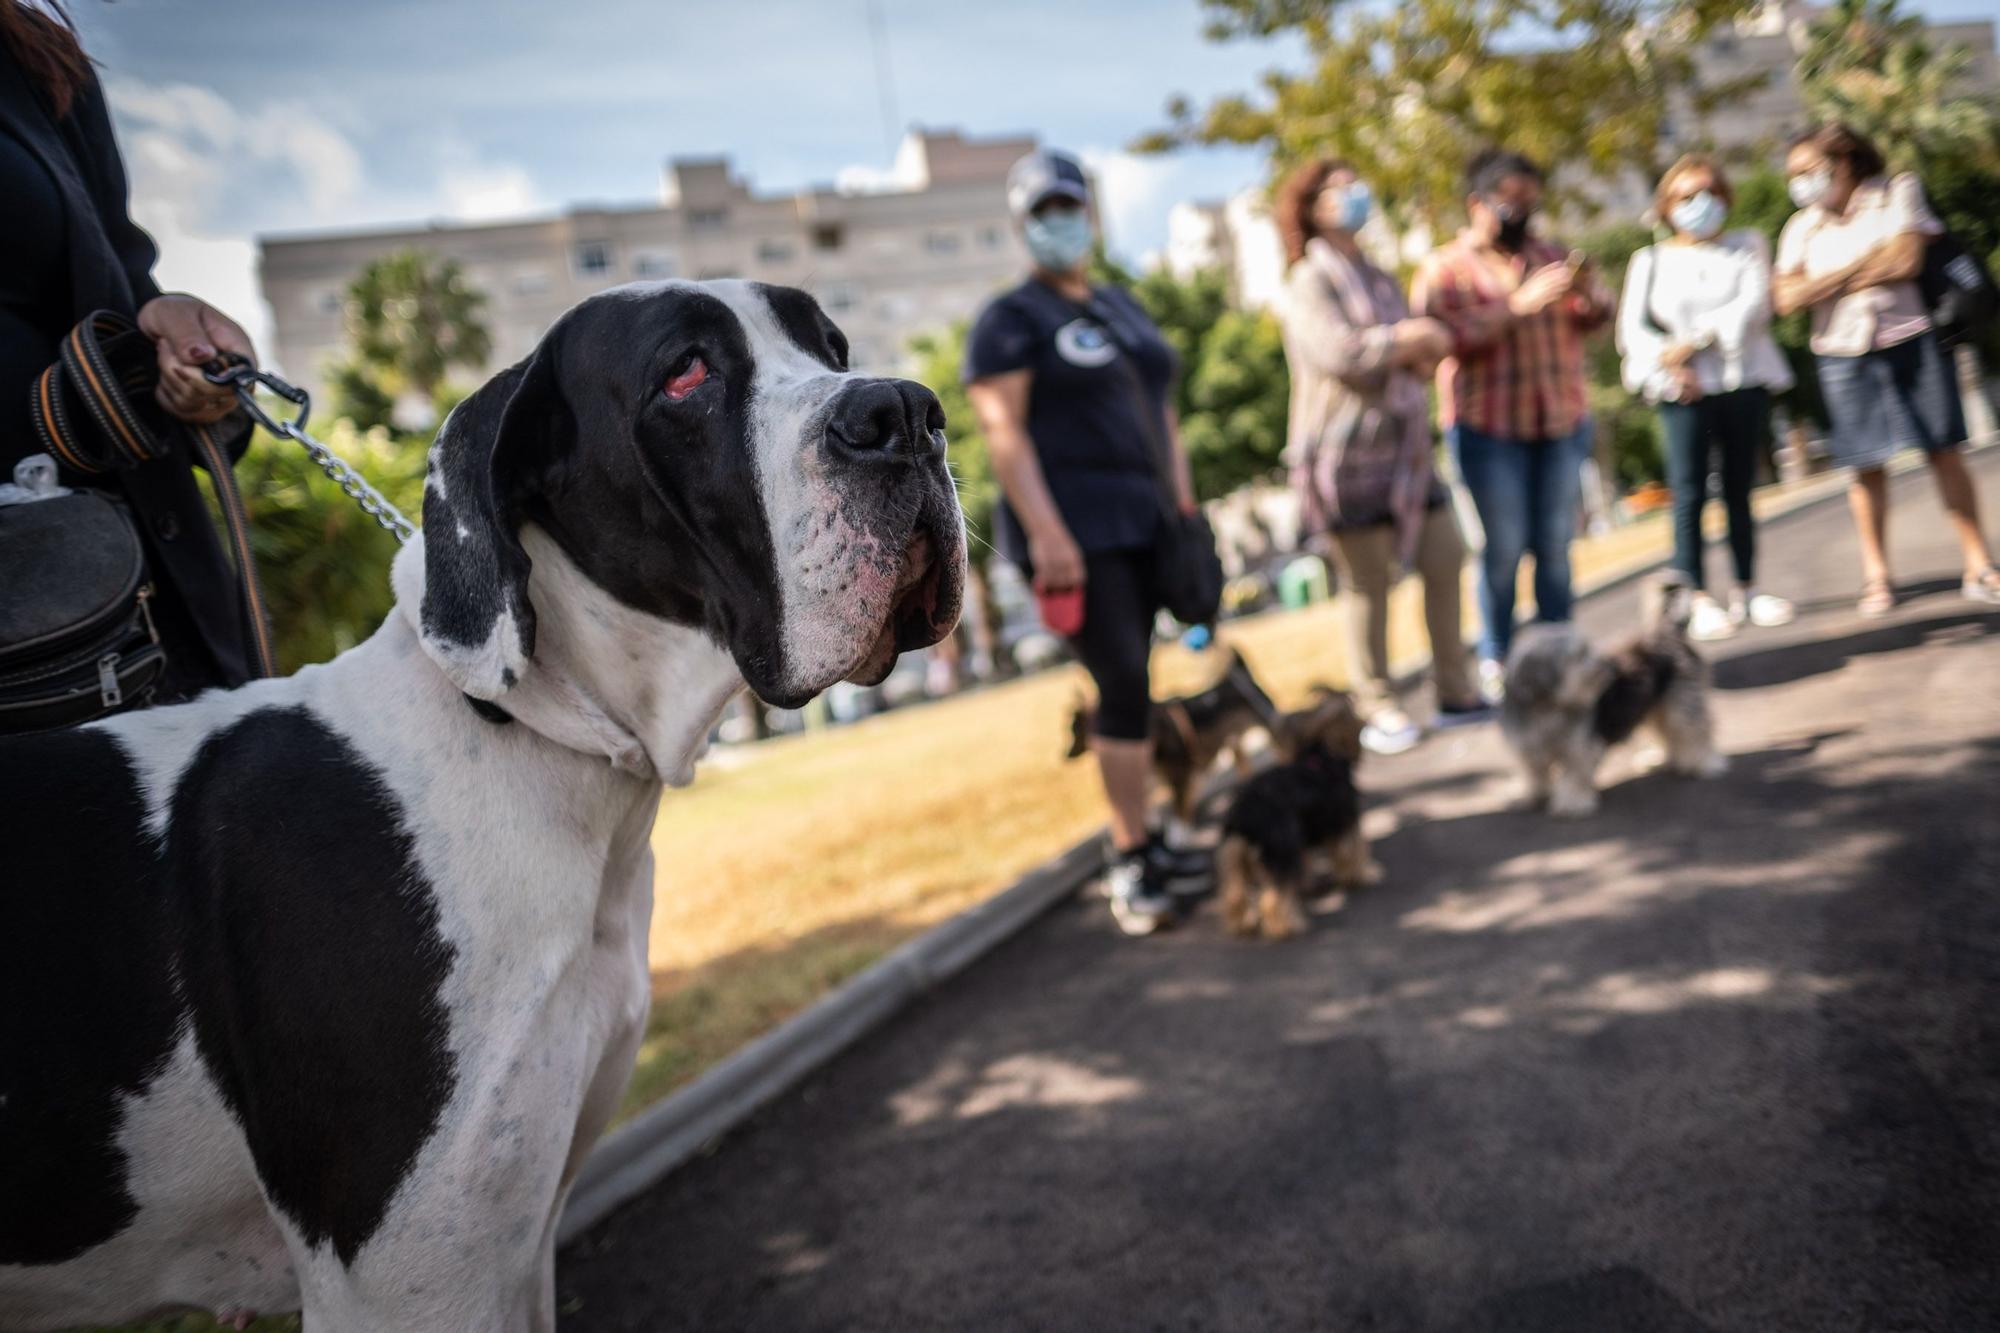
686 378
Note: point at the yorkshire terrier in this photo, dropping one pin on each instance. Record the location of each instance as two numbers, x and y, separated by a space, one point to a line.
1282 817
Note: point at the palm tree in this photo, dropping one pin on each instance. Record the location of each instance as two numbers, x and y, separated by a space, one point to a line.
411 318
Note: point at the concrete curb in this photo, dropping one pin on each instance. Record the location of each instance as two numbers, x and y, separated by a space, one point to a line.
636 1155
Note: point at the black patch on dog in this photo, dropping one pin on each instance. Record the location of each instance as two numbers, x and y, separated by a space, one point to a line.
311 960
1287 809
1642 678
806 324
87 1008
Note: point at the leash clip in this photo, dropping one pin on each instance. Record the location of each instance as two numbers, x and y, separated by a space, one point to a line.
235 372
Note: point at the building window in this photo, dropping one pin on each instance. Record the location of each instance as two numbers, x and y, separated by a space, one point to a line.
828 236
708 219
941 242
652 264
331 303
530 282
837 300
593 258
992 238
774 252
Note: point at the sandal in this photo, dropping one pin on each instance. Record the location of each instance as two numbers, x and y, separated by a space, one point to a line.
1983 587
1878 598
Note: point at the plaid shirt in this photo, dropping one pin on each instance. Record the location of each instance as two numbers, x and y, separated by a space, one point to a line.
1520 379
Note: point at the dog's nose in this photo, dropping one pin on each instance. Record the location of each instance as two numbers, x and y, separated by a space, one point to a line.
887 419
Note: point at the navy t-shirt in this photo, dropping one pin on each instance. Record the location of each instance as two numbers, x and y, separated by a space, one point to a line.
1095 449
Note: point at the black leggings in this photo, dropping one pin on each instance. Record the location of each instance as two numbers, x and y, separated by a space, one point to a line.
1116 642
1733 424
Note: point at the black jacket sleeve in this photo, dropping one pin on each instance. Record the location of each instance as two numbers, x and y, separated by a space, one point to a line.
104 176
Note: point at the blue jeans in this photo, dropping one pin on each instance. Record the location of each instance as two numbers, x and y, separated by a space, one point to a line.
1526 493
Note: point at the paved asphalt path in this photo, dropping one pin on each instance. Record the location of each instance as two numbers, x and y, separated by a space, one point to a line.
1726 1056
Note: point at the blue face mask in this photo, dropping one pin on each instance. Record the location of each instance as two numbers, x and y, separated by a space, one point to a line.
1356 206
1058 239
1700 217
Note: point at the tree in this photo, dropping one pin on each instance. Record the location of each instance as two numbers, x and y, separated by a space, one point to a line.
1874 66
411 318
1407 92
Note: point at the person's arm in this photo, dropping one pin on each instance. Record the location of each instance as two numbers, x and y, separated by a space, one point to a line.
1000 405
1644 347
104 176
1732 324
1324 339
1183 470
1477 324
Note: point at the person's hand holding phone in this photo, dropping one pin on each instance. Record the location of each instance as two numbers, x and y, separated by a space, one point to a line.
1541 289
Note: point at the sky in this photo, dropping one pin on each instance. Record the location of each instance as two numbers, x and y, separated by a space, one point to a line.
238 121
286 115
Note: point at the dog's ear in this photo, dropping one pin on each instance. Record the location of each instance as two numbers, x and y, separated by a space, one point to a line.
477 622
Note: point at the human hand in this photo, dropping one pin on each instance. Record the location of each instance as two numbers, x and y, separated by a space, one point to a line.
1687 385
187 333
1541 289
1676 355
1424 342
1057 560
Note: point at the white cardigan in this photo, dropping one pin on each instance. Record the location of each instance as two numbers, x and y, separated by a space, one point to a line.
1714 292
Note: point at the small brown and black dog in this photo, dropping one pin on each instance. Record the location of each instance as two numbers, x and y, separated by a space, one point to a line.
1191 732
1305 805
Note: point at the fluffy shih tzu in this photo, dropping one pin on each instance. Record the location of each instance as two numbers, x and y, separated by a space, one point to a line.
1568 702
1302 808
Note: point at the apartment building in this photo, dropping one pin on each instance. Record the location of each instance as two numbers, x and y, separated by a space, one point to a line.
923 249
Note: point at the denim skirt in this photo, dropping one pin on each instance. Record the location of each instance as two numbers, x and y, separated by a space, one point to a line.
1891 399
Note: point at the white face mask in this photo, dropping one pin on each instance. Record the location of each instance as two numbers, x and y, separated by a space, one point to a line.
1701 216
1810 188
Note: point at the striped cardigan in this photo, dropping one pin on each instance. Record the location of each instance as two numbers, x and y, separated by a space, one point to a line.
1359 443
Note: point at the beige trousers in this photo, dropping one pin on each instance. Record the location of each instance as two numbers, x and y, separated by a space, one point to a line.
1367 561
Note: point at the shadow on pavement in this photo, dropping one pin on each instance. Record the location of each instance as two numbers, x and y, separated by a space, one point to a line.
1795 661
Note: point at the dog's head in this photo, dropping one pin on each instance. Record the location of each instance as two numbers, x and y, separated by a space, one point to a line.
1240 681
1667 603
1328 722
1554 667
702 453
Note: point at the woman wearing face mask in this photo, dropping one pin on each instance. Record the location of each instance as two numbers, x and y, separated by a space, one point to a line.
1360 444
1695 330
1071 384
1851 255
1511 395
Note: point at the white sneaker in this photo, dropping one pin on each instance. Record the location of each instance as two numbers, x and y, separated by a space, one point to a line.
1390 732
1761 609
1710 620
1492 680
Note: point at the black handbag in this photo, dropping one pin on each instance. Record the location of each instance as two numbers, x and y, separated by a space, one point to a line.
1957 290
77 638
1187 572
76 634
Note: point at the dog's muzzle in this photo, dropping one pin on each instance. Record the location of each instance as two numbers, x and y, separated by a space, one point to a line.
887 422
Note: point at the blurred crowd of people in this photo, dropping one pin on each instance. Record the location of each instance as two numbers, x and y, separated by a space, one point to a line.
1072 382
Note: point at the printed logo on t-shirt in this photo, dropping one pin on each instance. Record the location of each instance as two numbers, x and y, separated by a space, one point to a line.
1082 343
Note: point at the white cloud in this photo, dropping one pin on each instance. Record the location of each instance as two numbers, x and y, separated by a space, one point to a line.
206 176
1134 193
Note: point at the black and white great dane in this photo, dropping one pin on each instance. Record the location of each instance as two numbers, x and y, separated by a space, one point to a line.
314 994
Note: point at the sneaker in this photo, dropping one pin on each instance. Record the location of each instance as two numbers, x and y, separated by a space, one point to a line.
1492 679
1390 732
1463 715
1140 903
1761 609
1983 587
1168 862
1710 620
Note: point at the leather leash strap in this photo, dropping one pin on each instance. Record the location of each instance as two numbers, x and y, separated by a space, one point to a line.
86 413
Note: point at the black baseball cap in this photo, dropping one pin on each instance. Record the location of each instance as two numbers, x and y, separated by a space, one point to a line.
1043 175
